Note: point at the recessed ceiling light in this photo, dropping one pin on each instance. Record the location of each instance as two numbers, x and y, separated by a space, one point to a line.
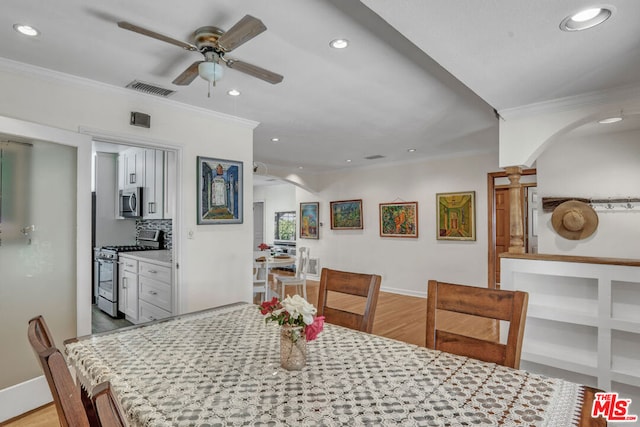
300 167
234 92
348 160
610 120
275 139
586 18
27 30
411 150
339 43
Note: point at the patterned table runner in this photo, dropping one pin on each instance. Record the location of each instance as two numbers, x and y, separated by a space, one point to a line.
222 367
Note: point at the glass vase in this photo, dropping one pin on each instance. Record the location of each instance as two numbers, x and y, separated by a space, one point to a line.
293 348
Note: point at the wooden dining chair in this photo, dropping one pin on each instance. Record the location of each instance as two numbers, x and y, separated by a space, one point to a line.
300 277
488 303
67 396
355 284
107 408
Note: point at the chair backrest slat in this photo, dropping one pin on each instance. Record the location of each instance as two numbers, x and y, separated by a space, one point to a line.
357 284
495 304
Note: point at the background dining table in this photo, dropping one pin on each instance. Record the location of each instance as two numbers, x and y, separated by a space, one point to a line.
222 367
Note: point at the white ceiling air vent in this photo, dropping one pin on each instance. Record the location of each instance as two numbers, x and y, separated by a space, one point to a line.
374 157
150 89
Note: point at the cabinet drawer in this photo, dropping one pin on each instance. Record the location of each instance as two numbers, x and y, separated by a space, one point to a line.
154 292
157 272
149 312
128 264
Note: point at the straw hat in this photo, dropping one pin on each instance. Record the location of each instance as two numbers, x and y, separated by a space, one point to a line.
574 220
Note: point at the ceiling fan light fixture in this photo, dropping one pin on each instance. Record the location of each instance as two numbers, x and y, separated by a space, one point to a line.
586 18
233 92
26 30
210 71
339 43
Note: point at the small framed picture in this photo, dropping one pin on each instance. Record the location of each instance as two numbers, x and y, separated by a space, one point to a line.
399 219
219 191
309 220
456 216
346 215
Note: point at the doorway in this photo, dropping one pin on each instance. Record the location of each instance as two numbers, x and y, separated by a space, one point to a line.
258 224
499 218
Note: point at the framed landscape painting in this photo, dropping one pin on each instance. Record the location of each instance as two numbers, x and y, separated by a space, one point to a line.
456 216
346 215
219 191
399 219
309 223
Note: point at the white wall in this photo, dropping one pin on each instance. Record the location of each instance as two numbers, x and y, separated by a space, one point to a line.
597 167
276 198
215 266
405 264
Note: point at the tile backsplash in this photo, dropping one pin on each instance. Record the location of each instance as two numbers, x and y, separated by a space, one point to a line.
157 224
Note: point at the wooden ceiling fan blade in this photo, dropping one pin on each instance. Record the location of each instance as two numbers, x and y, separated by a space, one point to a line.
187 75
243 31
137 29
255 71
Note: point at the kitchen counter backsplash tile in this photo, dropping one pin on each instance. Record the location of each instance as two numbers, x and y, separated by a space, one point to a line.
157 224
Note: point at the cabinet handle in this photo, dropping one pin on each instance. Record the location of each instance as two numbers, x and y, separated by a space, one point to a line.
153 271
124 283
153 292
132 178
151 318
152 207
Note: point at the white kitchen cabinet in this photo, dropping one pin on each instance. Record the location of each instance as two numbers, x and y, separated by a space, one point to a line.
131 168
155 291
153 193
128 287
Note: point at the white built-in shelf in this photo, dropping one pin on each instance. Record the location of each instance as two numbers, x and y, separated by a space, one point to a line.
583 316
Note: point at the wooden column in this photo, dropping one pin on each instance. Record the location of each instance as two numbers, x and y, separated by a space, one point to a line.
516 241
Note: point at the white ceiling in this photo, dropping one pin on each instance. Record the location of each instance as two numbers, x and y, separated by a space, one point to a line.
386 93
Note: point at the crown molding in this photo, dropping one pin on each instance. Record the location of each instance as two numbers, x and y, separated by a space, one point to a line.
621 94
29 70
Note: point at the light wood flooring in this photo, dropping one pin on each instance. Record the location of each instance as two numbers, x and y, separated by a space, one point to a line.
400 317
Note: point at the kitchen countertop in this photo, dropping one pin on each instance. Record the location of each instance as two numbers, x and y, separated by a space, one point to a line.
162 257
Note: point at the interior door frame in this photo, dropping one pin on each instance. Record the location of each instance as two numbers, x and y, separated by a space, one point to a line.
491 218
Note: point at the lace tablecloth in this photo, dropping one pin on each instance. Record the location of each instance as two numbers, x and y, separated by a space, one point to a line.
222 367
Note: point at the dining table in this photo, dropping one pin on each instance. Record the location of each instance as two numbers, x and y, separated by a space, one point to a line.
221 366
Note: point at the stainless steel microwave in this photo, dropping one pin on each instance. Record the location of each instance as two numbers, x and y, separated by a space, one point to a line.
131 203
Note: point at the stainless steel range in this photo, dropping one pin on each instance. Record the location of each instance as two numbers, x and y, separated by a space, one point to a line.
106 268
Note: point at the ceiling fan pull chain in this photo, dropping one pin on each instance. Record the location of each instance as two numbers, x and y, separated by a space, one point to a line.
209 91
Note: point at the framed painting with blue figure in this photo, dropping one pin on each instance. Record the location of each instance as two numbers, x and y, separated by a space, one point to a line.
309 220
219 191
399 219
456 216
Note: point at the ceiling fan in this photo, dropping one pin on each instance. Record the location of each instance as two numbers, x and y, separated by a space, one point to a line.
214 43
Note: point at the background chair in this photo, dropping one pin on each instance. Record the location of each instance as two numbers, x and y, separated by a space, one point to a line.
260 282
300 278
67 396
496 304
355 284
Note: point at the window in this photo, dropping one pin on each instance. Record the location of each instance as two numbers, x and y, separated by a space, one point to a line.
285 226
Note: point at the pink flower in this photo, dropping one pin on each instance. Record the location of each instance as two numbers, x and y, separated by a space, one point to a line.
263 246
269 306
312 330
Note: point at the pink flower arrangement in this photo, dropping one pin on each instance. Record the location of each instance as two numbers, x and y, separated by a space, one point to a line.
294 311
263 246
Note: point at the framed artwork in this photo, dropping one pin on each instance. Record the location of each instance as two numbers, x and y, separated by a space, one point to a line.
346 215
219 191
399 219
456 215
309 220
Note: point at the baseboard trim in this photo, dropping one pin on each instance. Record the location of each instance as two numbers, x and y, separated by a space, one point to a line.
419 294
24 397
